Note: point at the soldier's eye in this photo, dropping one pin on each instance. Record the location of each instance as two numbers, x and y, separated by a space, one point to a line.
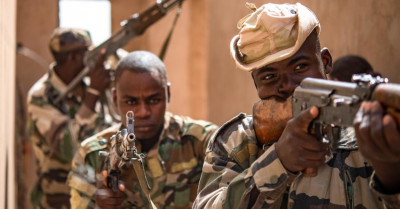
130 102
301 67
154 100
269 77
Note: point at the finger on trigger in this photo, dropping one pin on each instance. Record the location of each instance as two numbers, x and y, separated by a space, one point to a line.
314 111
305 118
121 187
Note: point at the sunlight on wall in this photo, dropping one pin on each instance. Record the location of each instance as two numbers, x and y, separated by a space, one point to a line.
92 15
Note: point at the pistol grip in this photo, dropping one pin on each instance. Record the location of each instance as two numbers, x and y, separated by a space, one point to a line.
318 130
113 179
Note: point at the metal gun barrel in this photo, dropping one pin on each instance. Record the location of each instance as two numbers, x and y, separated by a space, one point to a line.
130 126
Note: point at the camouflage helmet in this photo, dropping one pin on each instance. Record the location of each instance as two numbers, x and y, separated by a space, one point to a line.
69 39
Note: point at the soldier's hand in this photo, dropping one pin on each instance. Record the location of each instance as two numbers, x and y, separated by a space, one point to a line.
379 141
106 197
297 148
100 78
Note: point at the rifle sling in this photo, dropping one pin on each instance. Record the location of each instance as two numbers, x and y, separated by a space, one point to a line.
166 42
139 170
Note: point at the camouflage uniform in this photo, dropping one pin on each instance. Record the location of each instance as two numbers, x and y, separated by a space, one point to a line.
172 166
238 171
55 131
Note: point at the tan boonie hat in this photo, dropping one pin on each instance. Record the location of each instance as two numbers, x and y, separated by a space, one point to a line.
69 39
271 33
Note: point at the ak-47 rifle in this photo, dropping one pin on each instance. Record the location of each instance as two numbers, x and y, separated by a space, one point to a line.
122 155
134 26
338 103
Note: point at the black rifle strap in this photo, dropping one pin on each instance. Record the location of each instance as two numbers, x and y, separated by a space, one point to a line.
166 42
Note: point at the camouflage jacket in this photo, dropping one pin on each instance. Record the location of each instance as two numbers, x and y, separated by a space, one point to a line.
172 166
238 173
55 131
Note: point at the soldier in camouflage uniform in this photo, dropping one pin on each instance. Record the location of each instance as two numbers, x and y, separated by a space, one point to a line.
174 145
56 130
278 44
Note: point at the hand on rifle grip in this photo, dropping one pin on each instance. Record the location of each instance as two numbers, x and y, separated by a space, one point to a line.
318 130
106 197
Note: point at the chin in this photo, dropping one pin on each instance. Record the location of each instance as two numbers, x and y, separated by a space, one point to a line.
142 137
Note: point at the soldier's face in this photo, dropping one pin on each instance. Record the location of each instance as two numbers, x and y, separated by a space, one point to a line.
278 80
77 61
146 96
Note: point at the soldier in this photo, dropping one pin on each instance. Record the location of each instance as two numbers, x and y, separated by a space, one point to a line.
279 45
345 67
56 129
174 145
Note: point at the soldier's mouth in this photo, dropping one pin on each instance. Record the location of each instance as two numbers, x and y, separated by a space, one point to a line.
144 128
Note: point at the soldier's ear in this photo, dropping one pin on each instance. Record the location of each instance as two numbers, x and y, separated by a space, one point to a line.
168 92
326 60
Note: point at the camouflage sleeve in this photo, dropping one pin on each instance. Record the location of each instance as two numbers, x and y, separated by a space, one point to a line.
232 179
82 178
56 132
391 201
203 131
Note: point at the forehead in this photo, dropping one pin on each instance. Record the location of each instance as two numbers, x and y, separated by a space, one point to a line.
133 81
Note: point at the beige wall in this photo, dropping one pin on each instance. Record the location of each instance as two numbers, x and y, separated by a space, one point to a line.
36 20
205 83
8 190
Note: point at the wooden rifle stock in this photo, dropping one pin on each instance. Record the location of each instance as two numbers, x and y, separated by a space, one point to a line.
270 118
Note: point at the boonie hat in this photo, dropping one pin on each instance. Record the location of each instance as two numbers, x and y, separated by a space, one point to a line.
69 39
271 33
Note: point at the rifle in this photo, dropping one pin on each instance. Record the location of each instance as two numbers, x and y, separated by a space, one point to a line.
134 26
123 154
338 103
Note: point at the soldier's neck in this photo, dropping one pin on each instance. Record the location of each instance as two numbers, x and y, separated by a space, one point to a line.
148 144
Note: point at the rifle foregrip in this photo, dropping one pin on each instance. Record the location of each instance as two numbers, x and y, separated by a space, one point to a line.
388 95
